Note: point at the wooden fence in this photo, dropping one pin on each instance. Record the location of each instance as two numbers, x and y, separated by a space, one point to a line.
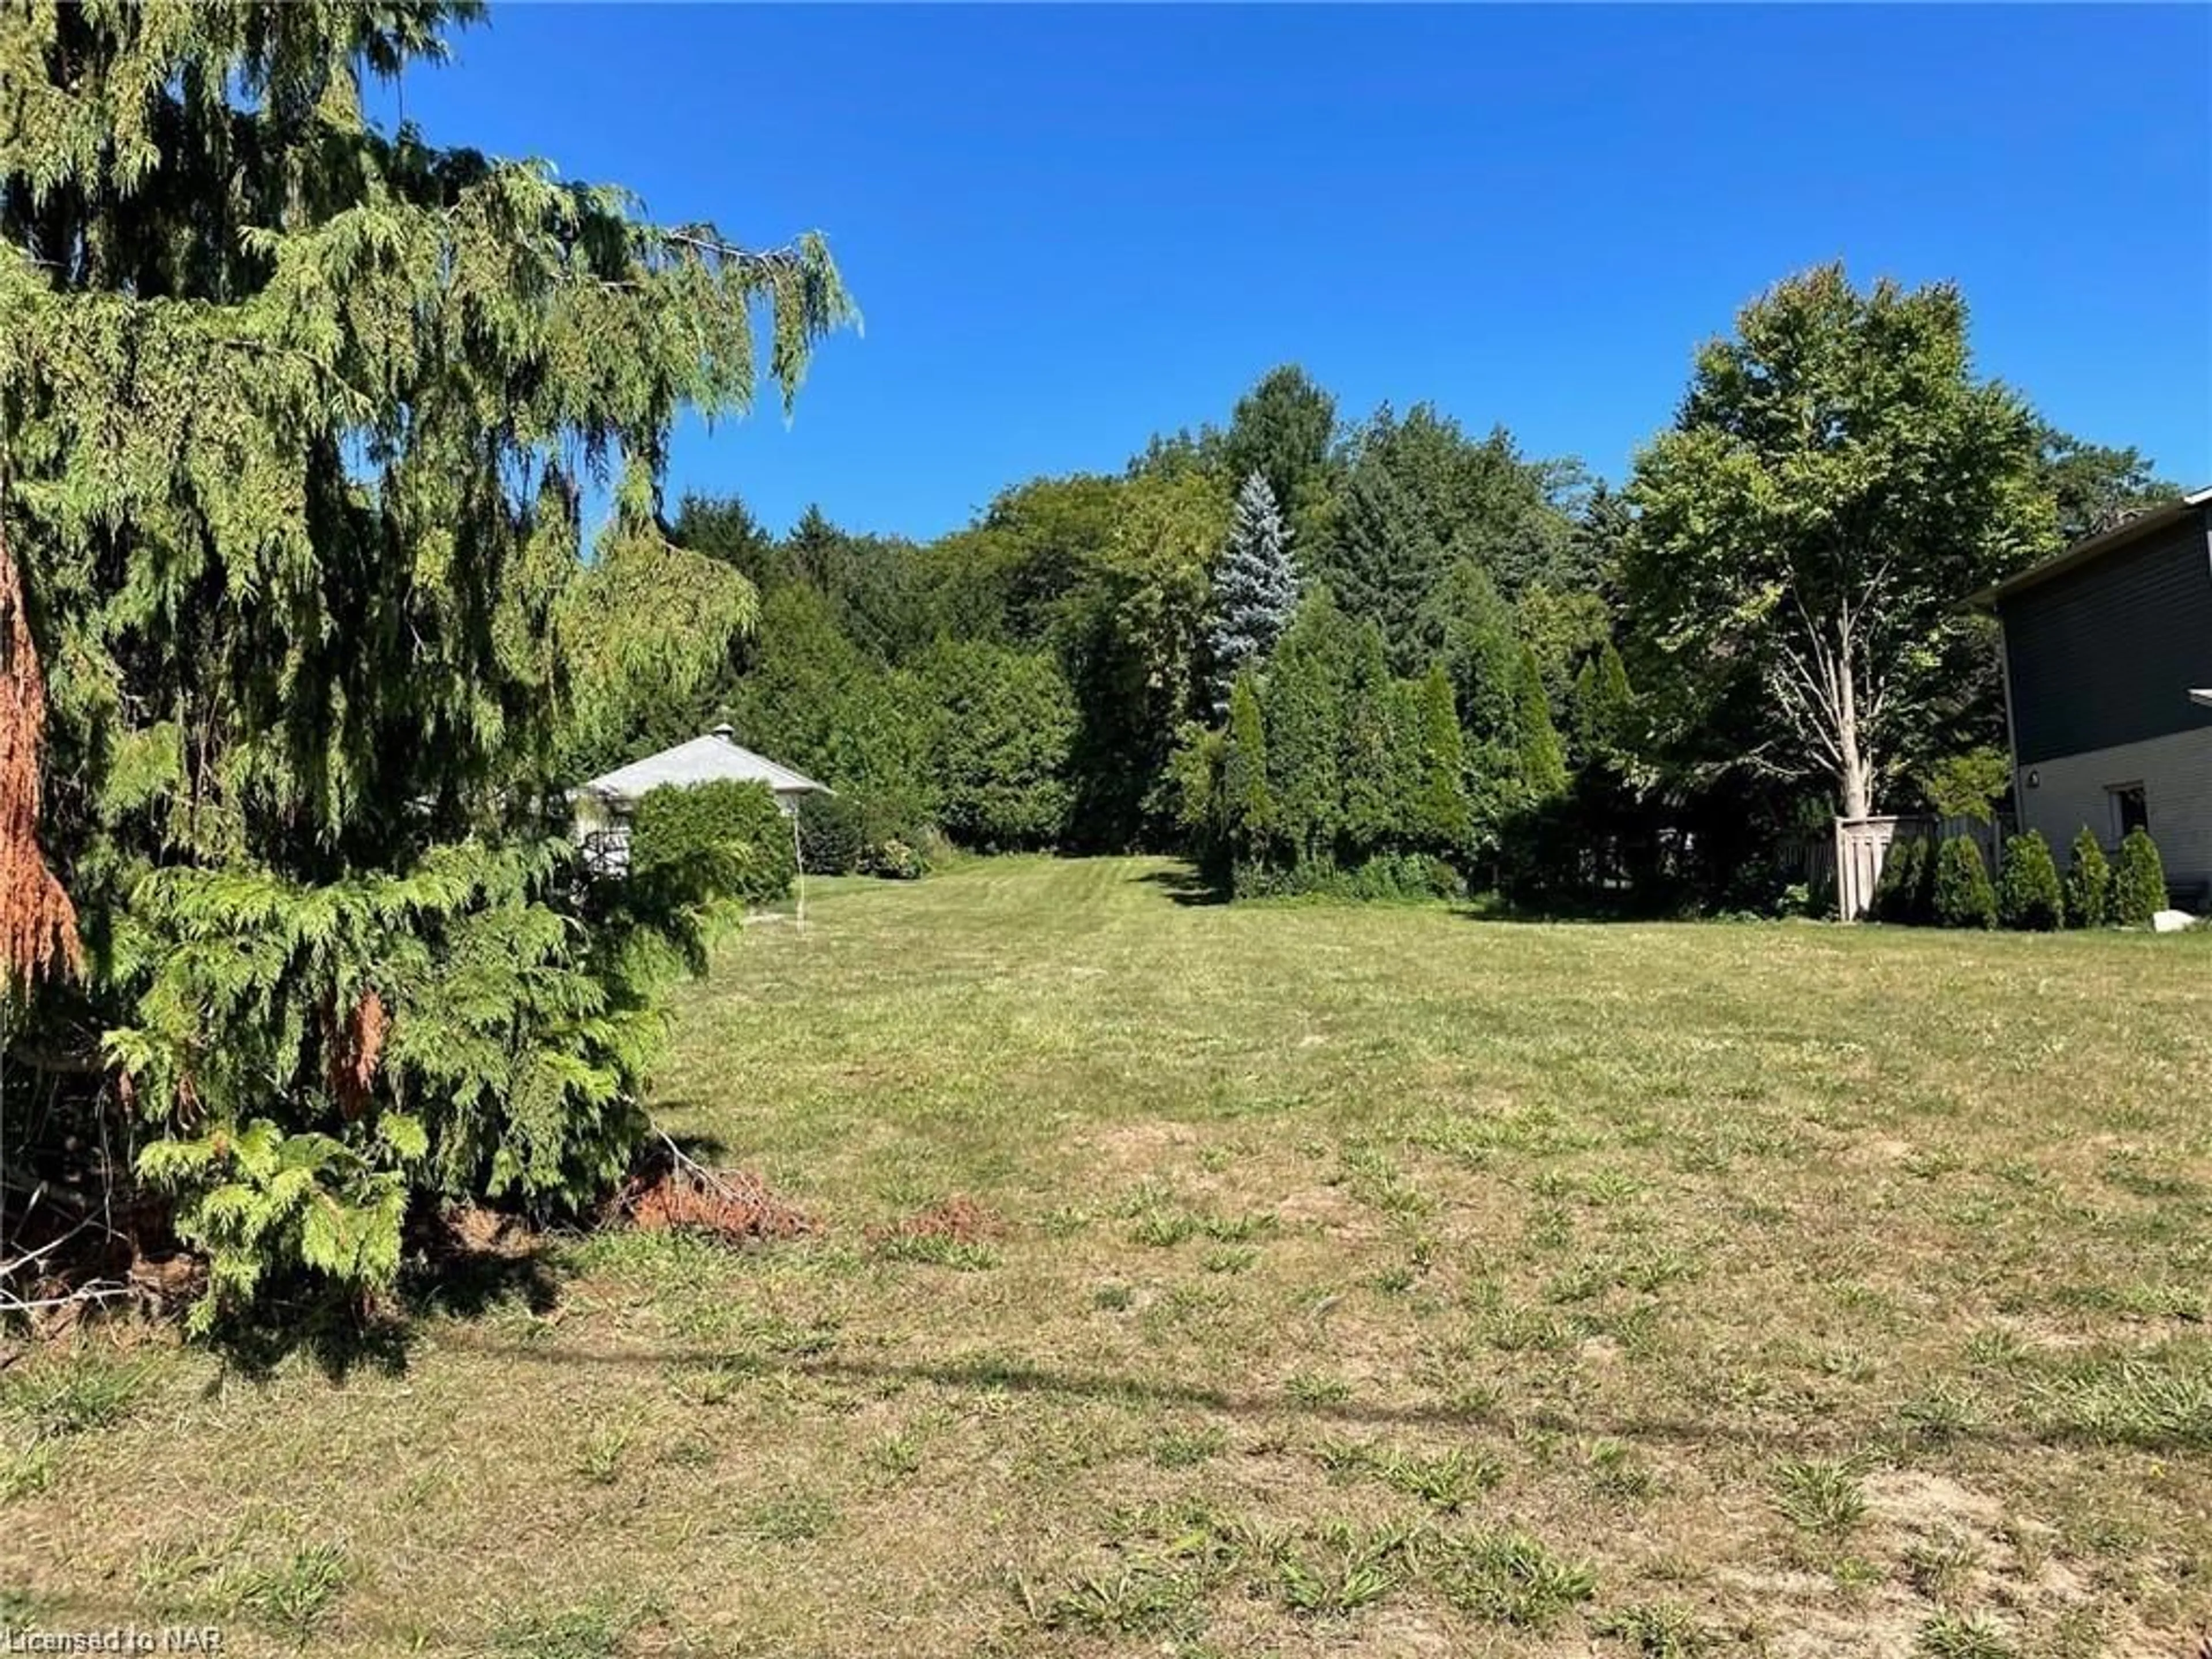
1846 864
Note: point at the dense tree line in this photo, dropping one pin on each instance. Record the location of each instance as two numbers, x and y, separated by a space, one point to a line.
1250 641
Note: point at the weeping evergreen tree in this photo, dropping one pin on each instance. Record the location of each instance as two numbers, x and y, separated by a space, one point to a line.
1254 589
295 421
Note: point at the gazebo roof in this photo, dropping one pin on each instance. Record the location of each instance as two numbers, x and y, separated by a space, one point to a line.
710 759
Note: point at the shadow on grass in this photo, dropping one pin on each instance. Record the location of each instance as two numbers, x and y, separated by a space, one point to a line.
1183 884
338 1338
1021 1376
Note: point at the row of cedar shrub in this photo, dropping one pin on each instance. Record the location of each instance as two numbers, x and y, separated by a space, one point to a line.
1948 884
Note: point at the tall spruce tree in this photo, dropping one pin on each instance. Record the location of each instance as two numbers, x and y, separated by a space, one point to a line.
295 416
1386 558
1255 589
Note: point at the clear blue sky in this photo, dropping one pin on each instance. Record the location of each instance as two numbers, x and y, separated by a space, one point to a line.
1069 228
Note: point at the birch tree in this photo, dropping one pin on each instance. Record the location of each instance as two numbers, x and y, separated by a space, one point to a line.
1836 483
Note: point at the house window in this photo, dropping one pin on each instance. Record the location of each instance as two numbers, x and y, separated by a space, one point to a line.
2130 809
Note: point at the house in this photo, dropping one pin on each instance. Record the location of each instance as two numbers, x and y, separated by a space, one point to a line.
2108 688
602 808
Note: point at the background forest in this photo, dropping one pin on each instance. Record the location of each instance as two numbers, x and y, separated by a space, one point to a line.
1385 654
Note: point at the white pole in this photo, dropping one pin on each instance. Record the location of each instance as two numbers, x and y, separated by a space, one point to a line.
798 857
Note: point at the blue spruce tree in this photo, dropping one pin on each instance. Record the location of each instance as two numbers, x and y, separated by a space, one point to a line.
1254 590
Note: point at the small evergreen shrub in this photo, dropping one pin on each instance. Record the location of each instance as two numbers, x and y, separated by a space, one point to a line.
2028 894
2089 884
1898 893
1964 896
2139 882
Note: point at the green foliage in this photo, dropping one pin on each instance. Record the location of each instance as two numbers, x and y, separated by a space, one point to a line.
1003 722
1248 810
713 840
1305 720
1387 557
2138 881
2089 884
1905 894
1440 819
1836 481
2029 896
1543 763
1963 897
300 417
1970 785
1282 429
814 700
2094 487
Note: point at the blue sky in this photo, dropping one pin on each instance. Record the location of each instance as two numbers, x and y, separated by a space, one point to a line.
1070 228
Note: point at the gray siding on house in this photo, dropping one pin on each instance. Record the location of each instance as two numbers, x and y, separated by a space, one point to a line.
2108 654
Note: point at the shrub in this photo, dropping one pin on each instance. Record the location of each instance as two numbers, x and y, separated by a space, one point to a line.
2028 894
2139 882
2089 884
895 861
833 833
1963 897
725 839
1897 896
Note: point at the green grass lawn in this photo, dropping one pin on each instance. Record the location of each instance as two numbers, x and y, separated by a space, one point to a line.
1369 1281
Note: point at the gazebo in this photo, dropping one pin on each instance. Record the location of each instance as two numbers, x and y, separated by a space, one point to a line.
602 807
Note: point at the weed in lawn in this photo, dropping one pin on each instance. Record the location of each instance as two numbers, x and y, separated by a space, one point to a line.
2158 1400
296 1591
1238 1229
1819 1495
1317 1388
1135 1600
72 1394
1449 1480
26 1470
1163 1229
1942 1568
895 1455
1350 1571
595 1629
605 1453
1186 1448
1229 1259
791 1517
965 1255
1615 1473
1113 1298
1943 1412
1510 1578
714 1383
1952 1636
1659 1630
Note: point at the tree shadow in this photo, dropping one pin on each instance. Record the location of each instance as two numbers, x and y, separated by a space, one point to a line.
1183 884
999 1375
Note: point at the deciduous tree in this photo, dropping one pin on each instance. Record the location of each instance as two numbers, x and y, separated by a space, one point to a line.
1836 483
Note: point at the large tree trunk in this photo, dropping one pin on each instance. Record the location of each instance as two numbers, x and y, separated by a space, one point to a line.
1854 768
